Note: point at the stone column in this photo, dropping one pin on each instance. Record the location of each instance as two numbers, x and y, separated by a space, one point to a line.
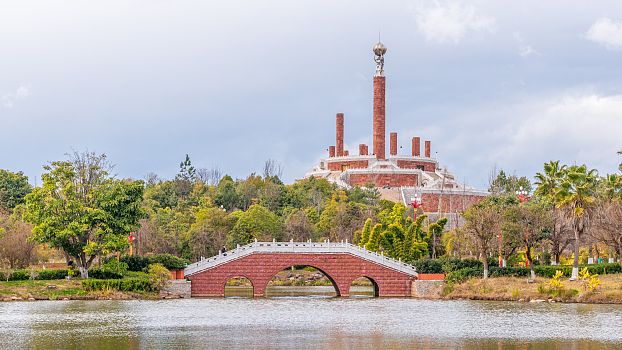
379 117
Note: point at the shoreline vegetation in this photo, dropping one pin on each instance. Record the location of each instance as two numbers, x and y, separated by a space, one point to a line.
609 290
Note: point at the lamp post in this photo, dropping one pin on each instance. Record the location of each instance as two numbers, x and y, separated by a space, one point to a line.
131 239
522 195
415 203
500 255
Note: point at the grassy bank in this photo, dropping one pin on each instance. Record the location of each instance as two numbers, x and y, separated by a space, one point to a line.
518 289
62 289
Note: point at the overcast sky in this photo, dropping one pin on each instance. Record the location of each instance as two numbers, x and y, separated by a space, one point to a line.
233 83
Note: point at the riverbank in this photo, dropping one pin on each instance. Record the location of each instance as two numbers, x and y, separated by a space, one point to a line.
62 290
519 289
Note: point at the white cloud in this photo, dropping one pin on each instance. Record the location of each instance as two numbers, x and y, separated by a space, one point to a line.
524 50
606 32
527 50
448 21
582 128
9 99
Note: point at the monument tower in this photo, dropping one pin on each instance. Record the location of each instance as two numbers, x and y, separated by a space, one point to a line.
401 177
379 87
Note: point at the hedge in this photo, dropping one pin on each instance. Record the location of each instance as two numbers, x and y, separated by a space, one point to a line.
436 266
44 275
104 274
139 263
126 285
460 275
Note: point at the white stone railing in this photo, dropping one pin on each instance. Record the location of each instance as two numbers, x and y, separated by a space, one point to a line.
300 248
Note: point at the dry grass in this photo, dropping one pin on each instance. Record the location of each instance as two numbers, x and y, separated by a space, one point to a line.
512 288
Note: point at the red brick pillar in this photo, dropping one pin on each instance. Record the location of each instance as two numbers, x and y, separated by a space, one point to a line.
346 153
393 146
416 146
427 149
366 150
362 150
339 134
379 117
331 151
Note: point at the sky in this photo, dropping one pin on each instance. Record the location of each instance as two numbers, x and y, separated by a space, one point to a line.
234 83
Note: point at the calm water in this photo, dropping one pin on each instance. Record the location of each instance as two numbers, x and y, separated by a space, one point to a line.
307 322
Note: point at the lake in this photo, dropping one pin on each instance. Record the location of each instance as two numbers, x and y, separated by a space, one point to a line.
308 318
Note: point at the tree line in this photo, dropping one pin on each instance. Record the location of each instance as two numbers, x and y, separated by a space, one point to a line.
83 211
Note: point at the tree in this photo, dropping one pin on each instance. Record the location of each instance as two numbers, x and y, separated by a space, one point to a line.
482 224
575 197
226 194
185 178
528 224
210 231
298 226
14 245
13 189
84 210
547 185
256 223
608 227
272 168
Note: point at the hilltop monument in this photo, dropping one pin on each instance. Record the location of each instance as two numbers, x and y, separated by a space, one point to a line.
409 176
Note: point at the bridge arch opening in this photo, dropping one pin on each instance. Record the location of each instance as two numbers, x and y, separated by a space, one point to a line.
302 280
364 287
239 287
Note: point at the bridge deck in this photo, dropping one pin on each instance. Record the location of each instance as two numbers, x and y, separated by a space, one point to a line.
300 248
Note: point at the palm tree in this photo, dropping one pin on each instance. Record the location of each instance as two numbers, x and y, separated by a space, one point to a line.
549 181
576 198
548 184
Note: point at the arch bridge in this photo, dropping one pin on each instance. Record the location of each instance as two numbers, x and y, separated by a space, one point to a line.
340 262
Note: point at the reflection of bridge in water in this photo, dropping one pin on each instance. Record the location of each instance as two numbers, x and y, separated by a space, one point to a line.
341 263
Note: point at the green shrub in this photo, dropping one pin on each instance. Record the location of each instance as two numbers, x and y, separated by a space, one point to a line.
170 262
104 274
158 276
428 266
509 272
135 262
126 285
461 275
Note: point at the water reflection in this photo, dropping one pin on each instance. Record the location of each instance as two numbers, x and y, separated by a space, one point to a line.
317 322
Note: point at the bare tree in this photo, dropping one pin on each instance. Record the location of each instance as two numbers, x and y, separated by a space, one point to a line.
152 179
608 225
272 168
482 226
561 236
202 175
298 226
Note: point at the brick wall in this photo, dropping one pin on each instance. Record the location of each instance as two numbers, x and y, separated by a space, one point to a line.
354 164
393 180
341 269
451 201
407 164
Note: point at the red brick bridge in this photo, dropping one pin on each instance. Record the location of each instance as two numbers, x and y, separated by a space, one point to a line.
341 263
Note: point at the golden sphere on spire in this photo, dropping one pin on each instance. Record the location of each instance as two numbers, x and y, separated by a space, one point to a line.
380 49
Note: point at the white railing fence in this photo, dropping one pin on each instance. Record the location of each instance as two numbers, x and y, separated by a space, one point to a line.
300 248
